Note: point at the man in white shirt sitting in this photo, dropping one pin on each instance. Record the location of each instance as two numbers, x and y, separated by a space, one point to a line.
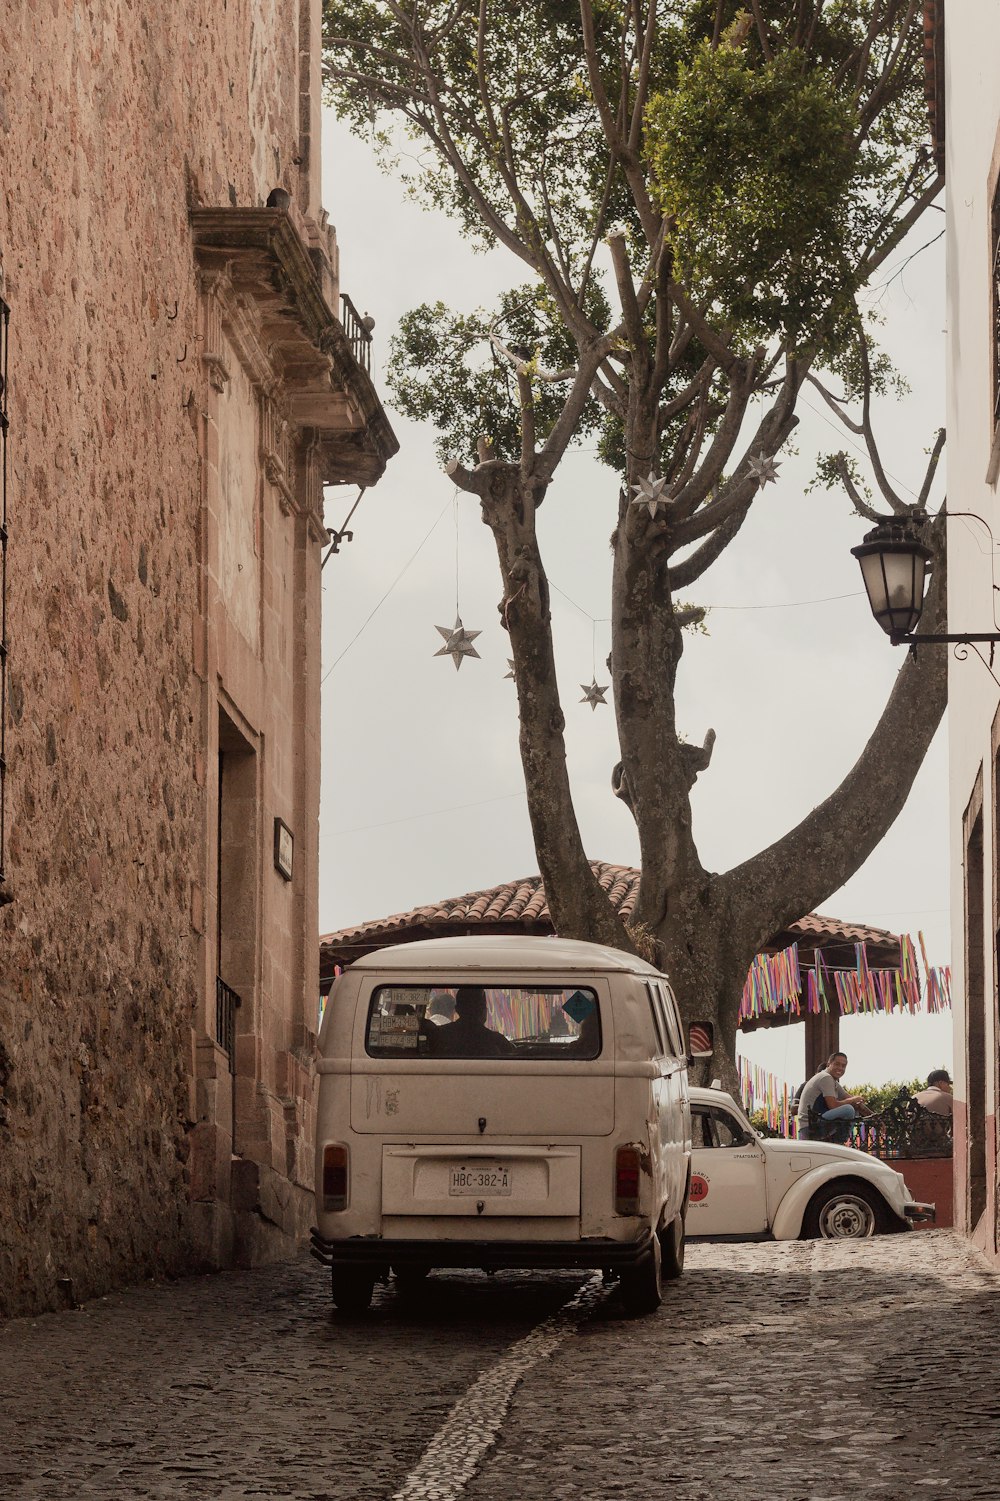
937 1097
825 1094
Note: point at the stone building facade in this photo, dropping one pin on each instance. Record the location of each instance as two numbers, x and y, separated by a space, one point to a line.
183 380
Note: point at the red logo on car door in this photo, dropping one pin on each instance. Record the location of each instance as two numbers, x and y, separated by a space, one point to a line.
699 1188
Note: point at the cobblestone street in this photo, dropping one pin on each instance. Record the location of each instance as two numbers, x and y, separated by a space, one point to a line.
793 1371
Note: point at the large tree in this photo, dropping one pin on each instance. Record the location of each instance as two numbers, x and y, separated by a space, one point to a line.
700 194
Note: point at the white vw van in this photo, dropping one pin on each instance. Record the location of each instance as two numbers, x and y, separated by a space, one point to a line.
501 1102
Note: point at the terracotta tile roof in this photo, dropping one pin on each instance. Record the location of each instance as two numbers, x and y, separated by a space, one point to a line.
520 906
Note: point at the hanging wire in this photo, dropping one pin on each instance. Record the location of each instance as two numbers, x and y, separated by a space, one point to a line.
385 596
458 613
596 620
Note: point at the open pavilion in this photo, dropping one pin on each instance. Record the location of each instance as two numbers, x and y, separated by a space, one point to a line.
519 907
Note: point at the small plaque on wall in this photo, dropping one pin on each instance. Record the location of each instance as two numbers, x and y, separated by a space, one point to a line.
284 846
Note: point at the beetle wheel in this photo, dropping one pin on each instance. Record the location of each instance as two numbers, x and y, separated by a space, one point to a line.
845 1210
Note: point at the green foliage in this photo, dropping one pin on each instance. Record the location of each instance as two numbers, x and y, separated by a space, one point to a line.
539 103
830 467
444 368
782 169
878 1096
756 164
875 1096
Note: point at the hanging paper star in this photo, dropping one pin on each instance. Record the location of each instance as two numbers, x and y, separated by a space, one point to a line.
510 664
594 695
764 468
457 642
649 493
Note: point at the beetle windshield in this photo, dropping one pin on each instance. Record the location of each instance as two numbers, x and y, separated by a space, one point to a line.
559 1023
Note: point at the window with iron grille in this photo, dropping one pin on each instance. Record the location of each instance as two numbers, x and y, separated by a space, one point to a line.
4 324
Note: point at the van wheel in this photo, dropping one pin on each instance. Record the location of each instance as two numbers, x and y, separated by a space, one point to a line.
352 1288
410 1278
672 1240
641 1286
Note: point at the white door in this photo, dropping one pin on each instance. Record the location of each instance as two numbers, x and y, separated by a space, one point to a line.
727 1175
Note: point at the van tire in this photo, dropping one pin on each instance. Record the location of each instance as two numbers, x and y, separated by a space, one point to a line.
672 1241
409 1279
352 1288
641 1286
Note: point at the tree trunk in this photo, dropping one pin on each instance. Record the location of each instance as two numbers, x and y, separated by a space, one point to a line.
578 906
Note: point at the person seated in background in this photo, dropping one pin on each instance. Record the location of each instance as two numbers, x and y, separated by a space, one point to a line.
469 1036
825 1094
441 1010
587 1043
558 1024
937 1097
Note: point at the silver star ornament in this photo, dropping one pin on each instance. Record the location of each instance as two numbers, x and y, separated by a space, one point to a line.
510 664
457 642
649 493
594 695
763 468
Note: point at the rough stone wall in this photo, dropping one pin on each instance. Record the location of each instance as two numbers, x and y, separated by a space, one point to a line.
111 114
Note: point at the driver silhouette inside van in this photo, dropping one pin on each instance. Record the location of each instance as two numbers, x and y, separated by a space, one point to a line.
469 1036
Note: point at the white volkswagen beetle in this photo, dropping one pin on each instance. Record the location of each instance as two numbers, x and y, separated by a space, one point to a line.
745 1185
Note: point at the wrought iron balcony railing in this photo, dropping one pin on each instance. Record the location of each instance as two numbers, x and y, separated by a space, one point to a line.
358 331
901 1129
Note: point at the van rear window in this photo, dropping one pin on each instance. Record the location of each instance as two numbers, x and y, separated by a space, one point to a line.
558 1023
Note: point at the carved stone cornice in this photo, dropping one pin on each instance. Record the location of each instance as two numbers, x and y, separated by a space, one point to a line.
309 500
214 290
266 289
275 452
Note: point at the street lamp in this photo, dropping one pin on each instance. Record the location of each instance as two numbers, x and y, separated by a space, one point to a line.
894 568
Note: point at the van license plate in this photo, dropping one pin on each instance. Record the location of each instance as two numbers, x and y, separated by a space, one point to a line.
484 1182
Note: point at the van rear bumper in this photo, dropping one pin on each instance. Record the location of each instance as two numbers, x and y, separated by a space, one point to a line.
374 1251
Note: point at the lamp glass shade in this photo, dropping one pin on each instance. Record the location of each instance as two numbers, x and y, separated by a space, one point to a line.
894 572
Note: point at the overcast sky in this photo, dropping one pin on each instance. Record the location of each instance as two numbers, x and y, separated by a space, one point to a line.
422 789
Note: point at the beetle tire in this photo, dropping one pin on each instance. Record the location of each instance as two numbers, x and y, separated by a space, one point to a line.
672 1240
641 1286
352 1288
845 1209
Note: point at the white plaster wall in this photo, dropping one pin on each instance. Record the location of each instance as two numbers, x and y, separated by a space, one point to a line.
973 113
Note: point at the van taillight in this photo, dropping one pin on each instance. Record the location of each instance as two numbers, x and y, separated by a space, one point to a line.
335 1162
627 1169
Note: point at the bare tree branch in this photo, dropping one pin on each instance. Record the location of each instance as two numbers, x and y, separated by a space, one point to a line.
691 568
562 433
834 404
765 45
881 478
714 342
932 463
804 867
854 495
620 149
